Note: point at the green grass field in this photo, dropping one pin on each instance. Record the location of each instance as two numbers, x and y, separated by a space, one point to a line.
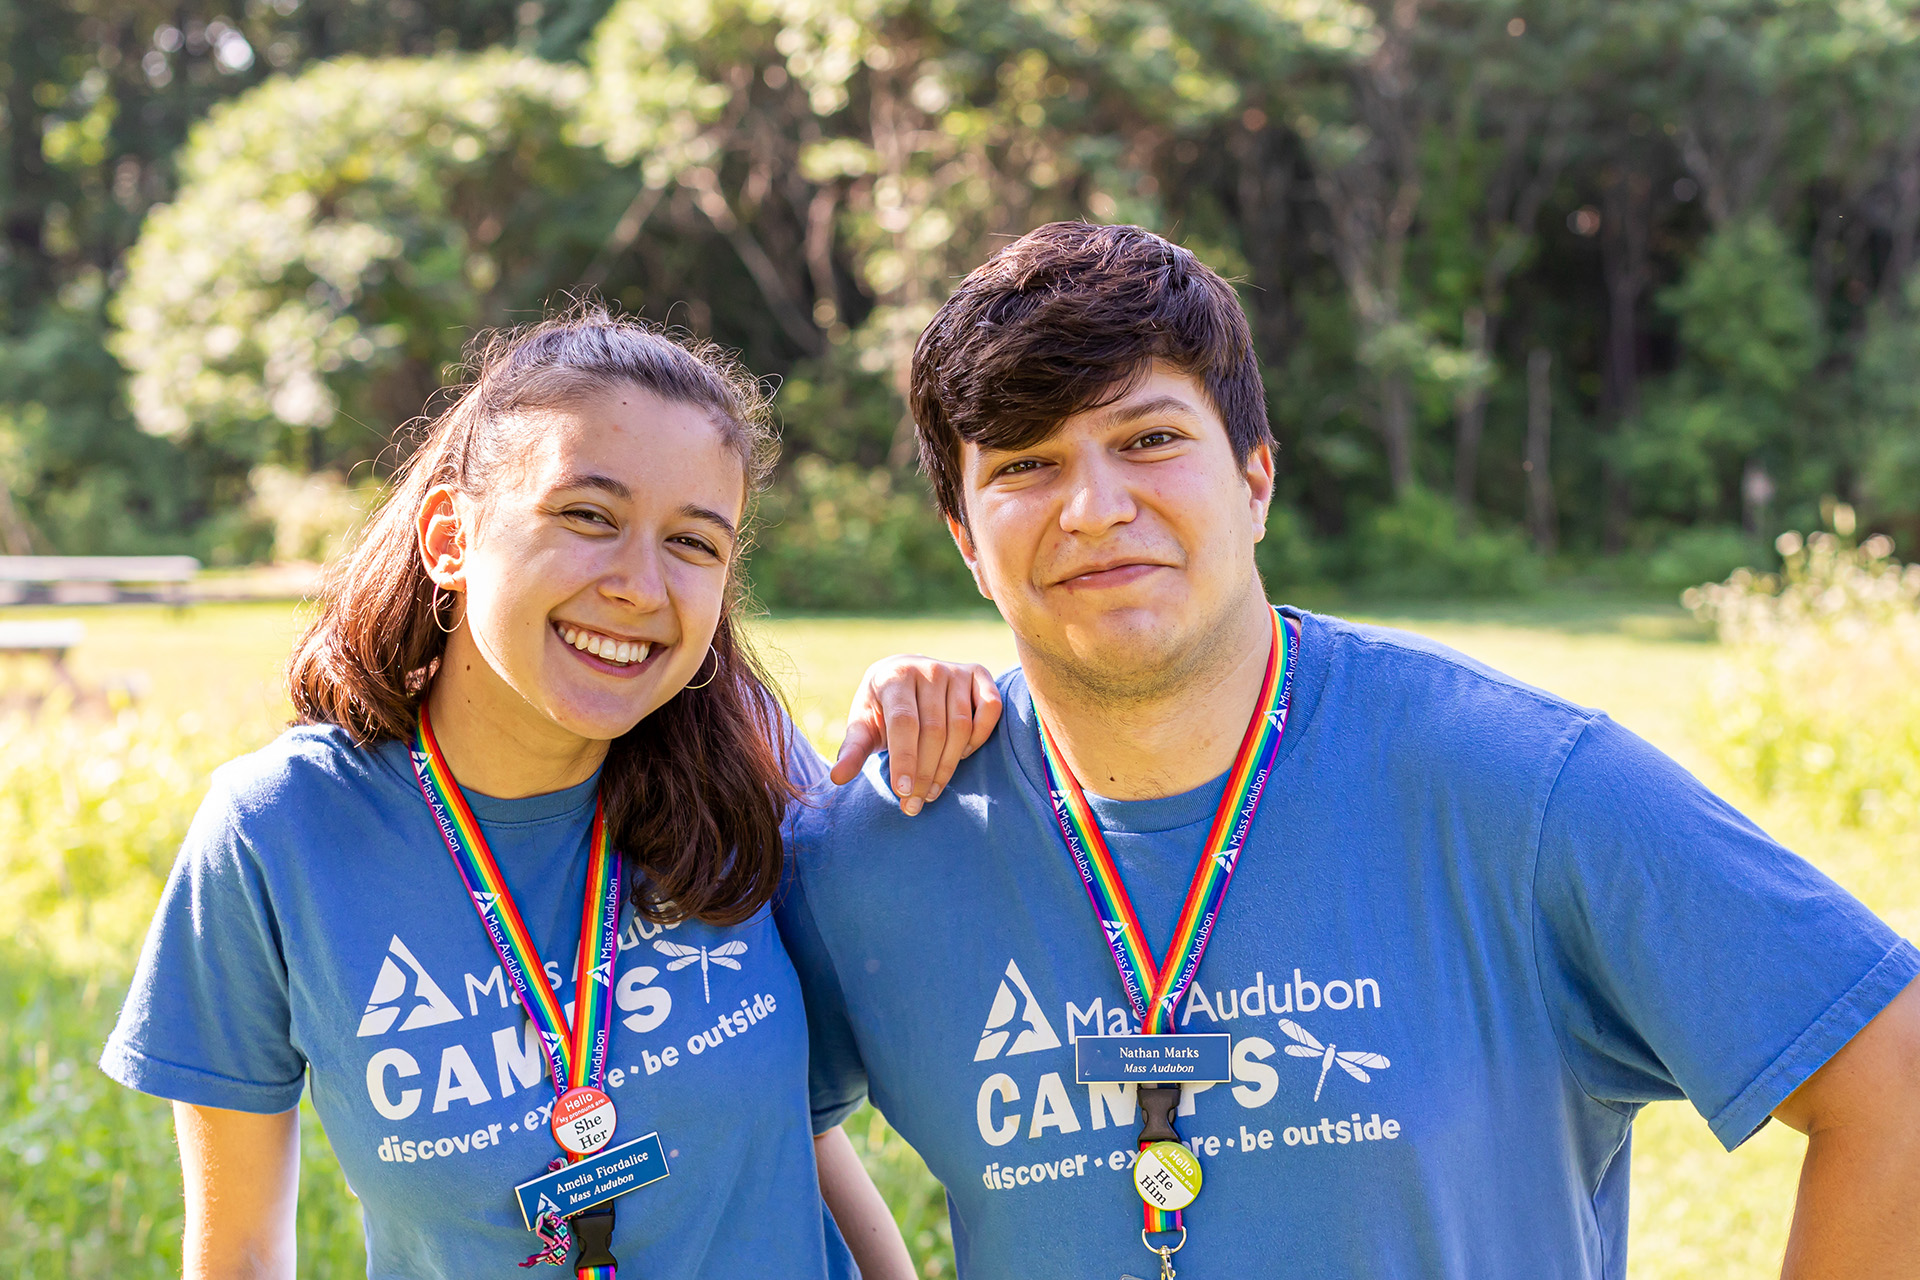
87 1182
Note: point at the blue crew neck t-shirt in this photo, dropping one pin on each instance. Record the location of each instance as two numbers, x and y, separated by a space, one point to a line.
315 933
1527 920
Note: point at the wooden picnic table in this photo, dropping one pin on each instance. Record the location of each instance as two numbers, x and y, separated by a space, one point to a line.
94 579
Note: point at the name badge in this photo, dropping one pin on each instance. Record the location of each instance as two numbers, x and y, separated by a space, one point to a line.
594 1180
1181 1059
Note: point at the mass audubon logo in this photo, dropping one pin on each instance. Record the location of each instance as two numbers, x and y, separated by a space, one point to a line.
430 1004
1037 1033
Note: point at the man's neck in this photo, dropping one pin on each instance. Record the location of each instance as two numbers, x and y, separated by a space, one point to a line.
1174 741
495 743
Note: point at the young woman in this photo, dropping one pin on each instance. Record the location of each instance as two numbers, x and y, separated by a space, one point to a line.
500 899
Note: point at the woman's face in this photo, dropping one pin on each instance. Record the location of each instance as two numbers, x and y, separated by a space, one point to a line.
594 570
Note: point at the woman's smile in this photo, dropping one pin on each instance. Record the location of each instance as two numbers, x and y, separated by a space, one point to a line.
608 653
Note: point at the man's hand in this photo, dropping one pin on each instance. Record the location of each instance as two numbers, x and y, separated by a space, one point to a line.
930 715
1858 1213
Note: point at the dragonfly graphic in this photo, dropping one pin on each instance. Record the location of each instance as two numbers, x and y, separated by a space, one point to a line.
1350 1061
720 955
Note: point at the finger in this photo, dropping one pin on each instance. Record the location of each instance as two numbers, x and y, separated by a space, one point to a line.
986 708
900 714
863 737
959 733
930 693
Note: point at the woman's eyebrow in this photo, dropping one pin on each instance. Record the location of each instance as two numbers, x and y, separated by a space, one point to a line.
710 516
607 484
594 480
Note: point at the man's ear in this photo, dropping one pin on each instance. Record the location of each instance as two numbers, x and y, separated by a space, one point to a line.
1259 477
442 538
963 539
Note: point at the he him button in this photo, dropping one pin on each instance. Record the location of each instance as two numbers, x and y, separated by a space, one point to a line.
1167 1176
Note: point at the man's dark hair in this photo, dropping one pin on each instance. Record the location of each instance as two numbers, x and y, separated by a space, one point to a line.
1065 319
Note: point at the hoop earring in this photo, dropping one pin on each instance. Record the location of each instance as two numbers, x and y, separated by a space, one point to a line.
709 680
444 630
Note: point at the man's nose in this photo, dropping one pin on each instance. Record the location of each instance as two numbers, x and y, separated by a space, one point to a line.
1097 499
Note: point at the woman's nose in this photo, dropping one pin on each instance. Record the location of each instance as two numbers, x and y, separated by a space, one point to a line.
637 579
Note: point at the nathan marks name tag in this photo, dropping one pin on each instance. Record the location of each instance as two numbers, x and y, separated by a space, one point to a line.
593 1180
1171 1059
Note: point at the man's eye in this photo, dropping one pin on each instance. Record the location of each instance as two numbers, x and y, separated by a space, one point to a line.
1155 439
1020 467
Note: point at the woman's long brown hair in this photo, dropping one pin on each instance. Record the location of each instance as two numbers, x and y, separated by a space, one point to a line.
695 792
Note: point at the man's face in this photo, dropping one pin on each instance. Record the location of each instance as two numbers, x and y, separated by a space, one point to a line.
1120 548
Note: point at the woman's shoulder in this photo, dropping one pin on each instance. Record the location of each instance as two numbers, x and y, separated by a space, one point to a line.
309 769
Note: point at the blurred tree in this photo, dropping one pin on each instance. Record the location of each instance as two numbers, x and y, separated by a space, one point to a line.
1889 396
98 98
1704 212
337 237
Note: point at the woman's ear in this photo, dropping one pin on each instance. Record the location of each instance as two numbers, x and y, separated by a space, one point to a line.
443 538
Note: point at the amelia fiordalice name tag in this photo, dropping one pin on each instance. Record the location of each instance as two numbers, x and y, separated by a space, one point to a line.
1173 1059
592 1180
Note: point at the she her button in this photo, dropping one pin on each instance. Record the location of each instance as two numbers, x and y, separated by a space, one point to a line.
1167 1176
583 1120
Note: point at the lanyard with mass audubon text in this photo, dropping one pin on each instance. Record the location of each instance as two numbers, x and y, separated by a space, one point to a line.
583 1116
1166 1174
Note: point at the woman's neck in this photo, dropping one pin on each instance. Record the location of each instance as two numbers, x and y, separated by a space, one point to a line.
494 741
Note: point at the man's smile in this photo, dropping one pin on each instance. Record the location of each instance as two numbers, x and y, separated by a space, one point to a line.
1119 576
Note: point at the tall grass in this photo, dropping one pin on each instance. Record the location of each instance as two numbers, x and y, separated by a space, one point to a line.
92 811
1818 698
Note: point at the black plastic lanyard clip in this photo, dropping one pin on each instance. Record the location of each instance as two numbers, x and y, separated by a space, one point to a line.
593 1239
1157 1105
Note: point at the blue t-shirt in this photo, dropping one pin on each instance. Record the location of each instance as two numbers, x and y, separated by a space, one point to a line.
1529 920
315 930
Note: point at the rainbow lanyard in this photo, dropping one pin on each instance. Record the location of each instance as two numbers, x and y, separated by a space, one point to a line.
1155 990
576 1056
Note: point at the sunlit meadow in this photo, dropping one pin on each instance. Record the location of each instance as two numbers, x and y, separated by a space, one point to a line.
1812 733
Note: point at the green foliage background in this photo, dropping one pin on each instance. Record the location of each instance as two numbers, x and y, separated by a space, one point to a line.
247 233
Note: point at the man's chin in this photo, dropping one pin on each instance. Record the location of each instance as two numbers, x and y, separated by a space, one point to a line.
1134 656
1131 650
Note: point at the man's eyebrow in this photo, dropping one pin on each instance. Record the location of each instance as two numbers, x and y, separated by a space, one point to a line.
1157 407
1121 414
594 480
710 516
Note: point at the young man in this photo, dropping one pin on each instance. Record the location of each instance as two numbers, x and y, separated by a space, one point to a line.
1467 930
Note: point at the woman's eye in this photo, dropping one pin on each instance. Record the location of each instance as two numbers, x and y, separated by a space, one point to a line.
698 544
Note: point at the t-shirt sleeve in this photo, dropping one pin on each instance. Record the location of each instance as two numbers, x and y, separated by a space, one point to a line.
1683 952
207 1018
805 766
836 1073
